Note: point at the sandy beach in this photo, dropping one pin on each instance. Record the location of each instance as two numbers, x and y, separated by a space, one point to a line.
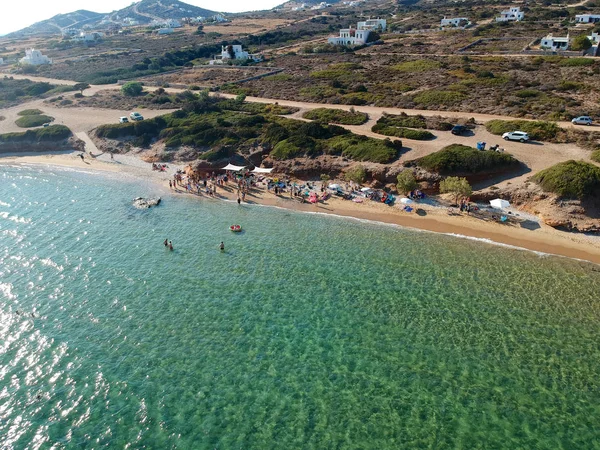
431 218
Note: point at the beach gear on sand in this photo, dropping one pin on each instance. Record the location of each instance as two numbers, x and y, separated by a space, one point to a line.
235 228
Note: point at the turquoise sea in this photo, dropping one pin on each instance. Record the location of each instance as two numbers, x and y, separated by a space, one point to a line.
308 332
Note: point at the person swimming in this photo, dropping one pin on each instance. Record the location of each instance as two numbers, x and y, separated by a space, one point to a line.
170 245
166 242
222 246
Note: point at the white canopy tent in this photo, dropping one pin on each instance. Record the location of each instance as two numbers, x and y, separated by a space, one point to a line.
499 203
262 170
233 167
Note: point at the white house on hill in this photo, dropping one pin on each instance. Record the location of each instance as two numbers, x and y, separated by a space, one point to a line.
587 18
89 37
555 43
454 22
359 35
35 58
372 25
234 52
512 15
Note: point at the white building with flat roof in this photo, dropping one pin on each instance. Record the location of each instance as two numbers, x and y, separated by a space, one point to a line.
372 25
587 18
514 14
234 52
35 58
454 22
360 34
555 43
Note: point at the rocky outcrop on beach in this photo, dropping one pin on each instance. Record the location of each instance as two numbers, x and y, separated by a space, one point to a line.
564 214
33 146
145 203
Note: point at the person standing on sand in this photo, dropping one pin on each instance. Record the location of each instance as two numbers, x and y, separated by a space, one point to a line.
170 185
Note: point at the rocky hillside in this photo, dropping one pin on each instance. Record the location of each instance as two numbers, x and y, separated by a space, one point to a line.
144 12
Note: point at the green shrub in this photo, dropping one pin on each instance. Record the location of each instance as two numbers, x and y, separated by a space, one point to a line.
29 112
362 148
33 121
329 115
285 150
570 179
538 130
418 135
576 62
358 174
596 155
47 134
435 98
132 88
459 159
420 65
403 120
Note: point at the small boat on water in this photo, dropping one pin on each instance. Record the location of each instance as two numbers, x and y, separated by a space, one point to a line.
235 228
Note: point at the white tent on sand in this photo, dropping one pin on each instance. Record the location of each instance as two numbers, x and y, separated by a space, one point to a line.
499 203
262 170
233 167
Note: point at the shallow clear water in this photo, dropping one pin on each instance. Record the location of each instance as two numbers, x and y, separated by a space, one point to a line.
308 332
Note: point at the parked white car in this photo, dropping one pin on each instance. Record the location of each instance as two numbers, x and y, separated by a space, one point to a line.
582 120
123 119
136 116
520 136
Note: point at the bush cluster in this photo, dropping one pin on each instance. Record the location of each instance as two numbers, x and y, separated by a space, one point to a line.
538 130
570 179
48 134
460 159
339 116
209 125
417 135
35 120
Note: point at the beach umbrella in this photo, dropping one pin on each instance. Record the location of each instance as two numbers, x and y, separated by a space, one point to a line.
406 201
499 203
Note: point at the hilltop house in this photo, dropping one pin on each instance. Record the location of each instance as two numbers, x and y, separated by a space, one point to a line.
594 38
587 18
88 37
512 15
454 22
372 25
128 21
234 52
359 35
35 58
555 43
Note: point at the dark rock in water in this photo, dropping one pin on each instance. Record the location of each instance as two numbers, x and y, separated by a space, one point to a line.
144 203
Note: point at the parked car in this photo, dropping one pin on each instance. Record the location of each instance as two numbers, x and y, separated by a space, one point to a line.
459 129
582 120
123 119
136 116
520 136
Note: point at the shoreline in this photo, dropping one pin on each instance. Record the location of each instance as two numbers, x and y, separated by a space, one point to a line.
544 240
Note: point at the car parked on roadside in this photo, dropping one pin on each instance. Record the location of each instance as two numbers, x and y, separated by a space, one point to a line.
459 130
520 136
136 116
582 120
123 119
